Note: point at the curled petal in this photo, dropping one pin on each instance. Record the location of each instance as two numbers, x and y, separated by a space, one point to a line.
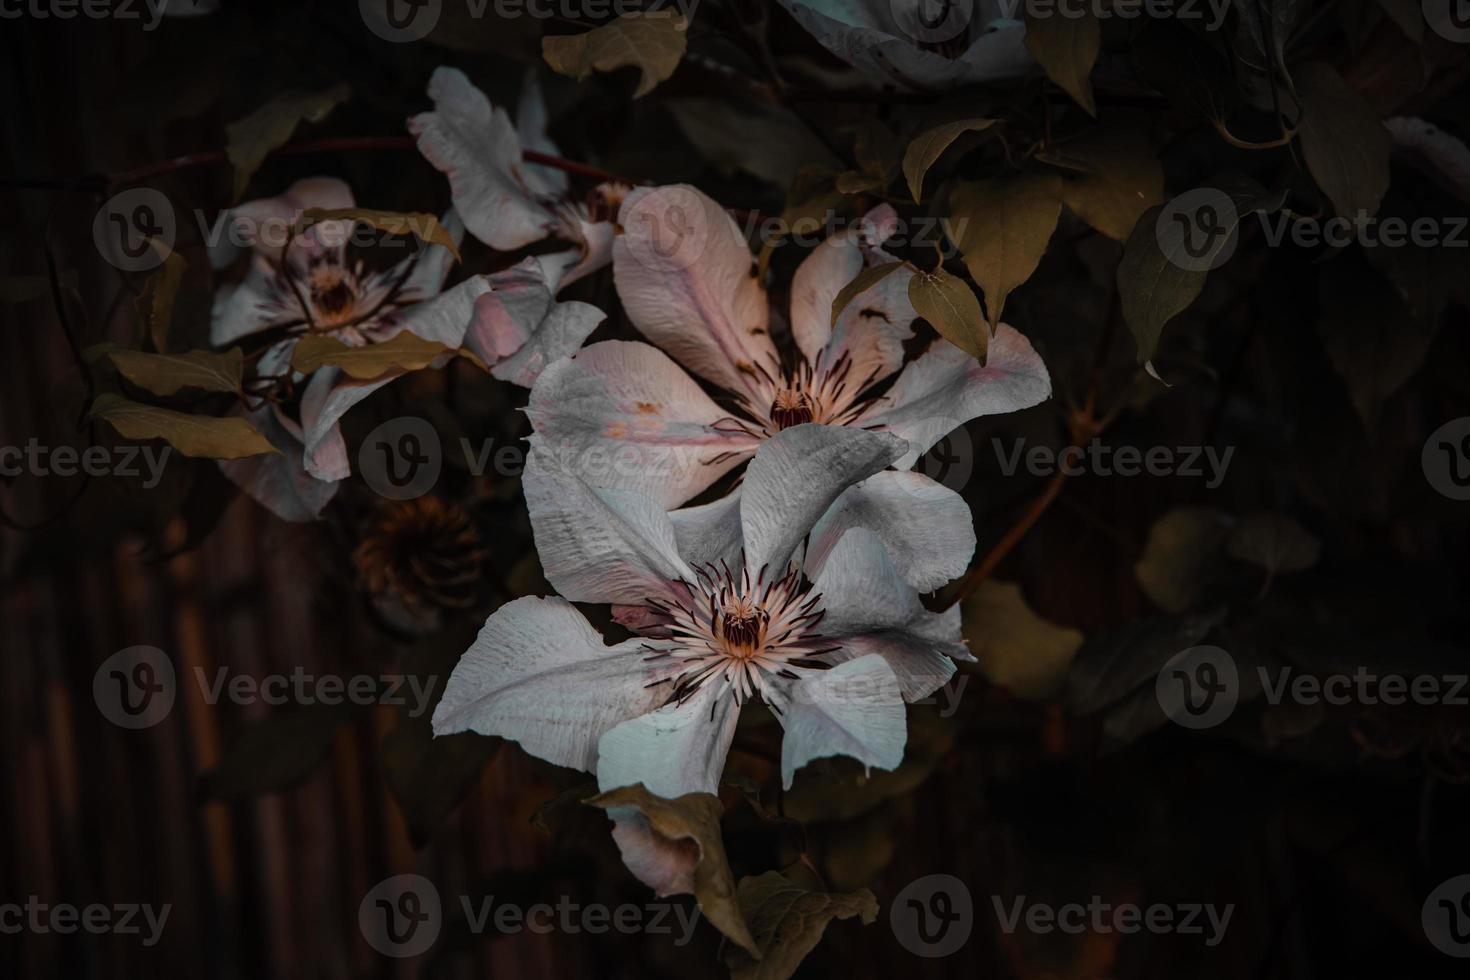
872 327
946 387
855 709
685 276
924 526
795 476
539 674
625 416
599 545
678 749
477 147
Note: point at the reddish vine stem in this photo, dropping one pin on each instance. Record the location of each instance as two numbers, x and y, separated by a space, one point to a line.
1083 425
110 182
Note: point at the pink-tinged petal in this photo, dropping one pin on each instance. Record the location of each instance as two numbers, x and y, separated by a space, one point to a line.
662 863
675 750
871 609
448 317
875 324
926 527
519 328
539 674
945 388
478 148
599 545
328 396
625 416
795 476
710 533
685 276
279 481
593 253
855 709
264 224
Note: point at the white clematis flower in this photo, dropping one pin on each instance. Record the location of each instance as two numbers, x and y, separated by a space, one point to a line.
506 202
306 284
828 644
921 44
684 274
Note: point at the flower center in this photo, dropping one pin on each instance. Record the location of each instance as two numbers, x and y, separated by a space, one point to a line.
333 293
739 634
791 406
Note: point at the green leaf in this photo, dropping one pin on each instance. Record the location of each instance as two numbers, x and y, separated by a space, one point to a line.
1158 278
422 225
1066 48
1345 144
787 921
653 43
167 374
1120 178
202 436
687 830
1180 555
253 138
952 309
403 352
155 304
1017 649
1002 226
1276 543
861 283
928 146
767 141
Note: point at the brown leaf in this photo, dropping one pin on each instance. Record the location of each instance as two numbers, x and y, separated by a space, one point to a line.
405 351
1003 226
788 921
680 837
251 139
193 435
653 43
423 226
929 145
950 306
1066 48
861 283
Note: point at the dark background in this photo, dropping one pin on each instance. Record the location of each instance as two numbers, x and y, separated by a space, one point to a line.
264 827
